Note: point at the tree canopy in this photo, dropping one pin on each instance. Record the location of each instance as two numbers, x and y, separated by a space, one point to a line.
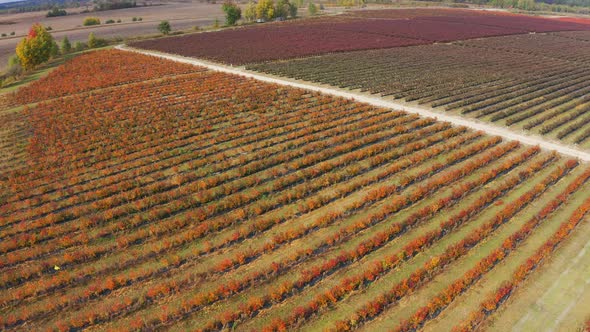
35 48
232 12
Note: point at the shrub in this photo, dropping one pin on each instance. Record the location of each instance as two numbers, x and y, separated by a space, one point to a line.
15 68
91 21
66 46
164 27
80 46
3 35
312 9
12 33
110 21
54 49
134 19
94 42
293 10
119 21
232 12
55 12
111 5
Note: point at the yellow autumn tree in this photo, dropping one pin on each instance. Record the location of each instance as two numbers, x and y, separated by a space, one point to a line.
265 9
35 48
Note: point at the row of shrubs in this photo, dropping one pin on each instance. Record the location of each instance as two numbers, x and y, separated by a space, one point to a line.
89 21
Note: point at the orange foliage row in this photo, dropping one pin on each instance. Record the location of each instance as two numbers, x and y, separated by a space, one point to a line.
491 303
434 266
439 302
98 70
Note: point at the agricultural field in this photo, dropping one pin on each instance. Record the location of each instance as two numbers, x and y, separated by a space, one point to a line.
538 83
357 30
183 15
159 195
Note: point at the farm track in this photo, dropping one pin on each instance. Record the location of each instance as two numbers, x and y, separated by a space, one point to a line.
422 111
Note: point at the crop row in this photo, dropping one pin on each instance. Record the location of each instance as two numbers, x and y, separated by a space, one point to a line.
522 81
491 303
306 278
201 200
439 302
282 198
304 230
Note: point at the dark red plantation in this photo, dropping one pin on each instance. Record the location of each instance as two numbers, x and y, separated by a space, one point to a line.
362 30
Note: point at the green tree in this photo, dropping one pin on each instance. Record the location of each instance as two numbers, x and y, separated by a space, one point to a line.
312 9
285 8
15 68
526 4
35 48
281 8
66 46
79 46
164 27
265 9
232 12
91 40
293 10
250 12
54 49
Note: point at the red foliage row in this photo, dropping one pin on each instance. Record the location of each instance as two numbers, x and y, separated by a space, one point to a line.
349 284
495 299
233 287
282 198
260 225
439 302
346 257
435 265
98 70
348 33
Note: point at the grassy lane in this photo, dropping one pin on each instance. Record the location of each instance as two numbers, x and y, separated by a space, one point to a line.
349 305
409 305
464 304
306 219
396 243
319 236
554 297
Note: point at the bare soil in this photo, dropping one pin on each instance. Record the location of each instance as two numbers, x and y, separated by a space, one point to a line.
182 16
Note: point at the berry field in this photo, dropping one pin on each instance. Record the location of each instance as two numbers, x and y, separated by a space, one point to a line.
534 82
159 195
355 31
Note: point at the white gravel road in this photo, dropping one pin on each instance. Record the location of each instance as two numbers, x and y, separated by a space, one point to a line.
377 101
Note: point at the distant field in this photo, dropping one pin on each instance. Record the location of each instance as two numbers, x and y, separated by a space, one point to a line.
182 15
158 195
358 30
534 82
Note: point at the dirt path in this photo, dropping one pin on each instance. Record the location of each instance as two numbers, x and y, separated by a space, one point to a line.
380 102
